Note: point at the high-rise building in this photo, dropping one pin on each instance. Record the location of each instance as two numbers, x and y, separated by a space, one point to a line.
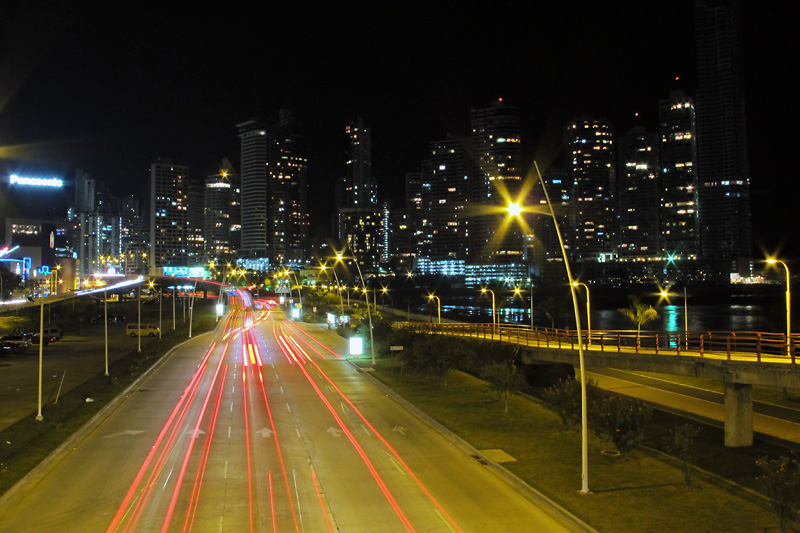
638 195
134 238
678 209
170 234
495 145
444 196
217 218
360 221
361 188
287 169
722 173
590 157
253 137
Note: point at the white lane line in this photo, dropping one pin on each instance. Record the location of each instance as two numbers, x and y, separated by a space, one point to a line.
229 432
288 407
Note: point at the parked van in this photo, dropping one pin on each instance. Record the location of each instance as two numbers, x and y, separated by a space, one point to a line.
52 334
149 330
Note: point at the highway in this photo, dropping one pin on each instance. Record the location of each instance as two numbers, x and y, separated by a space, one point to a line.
261 426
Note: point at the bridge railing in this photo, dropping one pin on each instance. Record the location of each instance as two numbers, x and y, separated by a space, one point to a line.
738 345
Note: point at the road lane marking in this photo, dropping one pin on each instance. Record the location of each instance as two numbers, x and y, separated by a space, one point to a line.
288 407
298 432
366 430
229 432
231 406
225 470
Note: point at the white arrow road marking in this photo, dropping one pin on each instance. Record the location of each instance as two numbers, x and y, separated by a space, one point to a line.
195 433
266 433
399 429
126 432
335 432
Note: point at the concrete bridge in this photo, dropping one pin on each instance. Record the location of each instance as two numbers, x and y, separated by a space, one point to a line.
739 359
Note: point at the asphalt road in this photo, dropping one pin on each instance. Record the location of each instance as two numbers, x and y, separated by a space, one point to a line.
260 427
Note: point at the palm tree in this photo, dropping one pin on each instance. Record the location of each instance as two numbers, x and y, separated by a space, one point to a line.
639 313
553 308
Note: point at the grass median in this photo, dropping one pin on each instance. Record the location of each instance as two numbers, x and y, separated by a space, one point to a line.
642 491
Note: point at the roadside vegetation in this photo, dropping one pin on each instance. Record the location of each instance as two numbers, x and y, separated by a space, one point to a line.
649 470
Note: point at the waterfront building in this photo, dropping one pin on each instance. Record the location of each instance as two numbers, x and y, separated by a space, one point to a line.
722 174
591 171
217 219
638 196
495 148
678 204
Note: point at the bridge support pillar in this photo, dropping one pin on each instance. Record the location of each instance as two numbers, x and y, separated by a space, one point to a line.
738 414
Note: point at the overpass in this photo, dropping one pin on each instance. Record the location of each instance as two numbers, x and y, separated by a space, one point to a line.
739 359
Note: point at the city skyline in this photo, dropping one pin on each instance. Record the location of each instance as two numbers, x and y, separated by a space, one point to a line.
116 96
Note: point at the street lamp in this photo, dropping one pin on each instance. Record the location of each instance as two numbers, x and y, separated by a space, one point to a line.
518 292
773 261
515 210
438 304
494 310
340 257
588 311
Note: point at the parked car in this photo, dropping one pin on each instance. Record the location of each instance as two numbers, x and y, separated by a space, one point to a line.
8 347
21 342
149 330
35 339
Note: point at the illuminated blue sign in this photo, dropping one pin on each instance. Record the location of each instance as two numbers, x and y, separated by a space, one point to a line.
186 272
13 179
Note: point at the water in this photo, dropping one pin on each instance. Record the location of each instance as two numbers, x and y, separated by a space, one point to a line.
717 317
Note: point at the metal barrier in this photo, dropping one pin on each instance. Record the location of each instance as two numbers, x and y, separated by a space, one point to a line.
732 345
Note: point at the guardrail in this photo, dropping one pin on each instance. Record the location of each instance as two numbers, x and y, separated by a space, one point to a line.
738 345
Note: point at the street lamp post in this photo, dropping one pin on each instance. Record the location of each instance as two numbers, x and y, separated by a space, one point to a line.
772 261
105 324
516 210
438 305
494 310
588 311
340 257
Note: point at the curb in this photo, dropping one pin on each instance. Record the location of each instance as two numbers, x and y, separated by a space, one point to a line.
569 520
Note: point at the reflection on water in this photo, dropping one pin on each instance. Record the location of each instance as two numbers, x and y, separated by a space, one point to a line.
671 317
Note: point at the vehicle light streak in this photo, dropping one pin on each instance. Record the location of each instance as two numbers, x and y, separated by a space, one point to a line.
201 467
296 329
385 443
277 447
272 503
178 412
319 497
247 443
192 441
365 459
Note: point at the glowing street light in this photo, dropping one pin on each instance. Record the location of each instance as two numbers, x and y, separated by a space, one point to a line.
772 261
515 210
588 311
438 304
340 257
494 310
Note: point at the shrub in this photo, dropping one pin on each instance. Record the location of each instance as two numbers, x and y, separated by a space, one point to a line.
681 445
780 484
565 399
503 379
621 421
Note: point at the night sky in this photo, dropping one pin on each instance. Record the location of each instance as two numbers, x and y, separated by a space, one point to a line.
110 89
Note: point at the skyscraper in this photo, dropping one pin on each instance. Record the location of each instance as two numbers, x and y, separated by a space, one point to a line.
217 218
678 210
360 220
638 195
590 156
444 202
723 179
253 136
169 216
287 169
495 145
